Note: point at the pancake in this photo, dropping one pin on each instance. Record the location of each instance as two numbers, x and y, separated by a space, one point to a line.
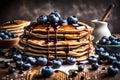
52 38
15 24
15 27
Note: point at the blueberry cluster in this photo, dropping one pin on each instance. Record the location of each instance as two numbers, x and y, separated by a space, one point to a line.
6 35
111 40
54 19
104 57
23 62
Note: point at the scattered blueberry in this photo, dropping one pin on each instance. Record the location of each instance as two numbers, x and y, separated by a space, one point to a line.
74 73
71 60
17 57
116 64
92 59
26 66
117 55
31 60
94 66
19 63
112 70
111 59
47 71
42 61
80 68
103 55
60 60
56 63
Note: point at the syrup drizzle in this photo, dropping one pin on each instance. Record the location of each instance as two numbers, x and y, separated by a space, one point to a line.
67 51
55 42
48 38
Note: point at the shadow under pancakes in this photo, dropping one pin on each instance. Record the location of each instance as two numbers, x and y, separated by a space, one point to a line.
85 10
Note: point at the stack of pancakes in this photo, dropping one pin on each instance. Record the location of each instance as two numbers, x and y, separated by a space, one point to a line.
78 40
15 27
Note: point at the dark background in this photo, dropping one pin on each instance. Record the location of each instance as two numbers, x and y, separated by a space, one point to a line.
85 10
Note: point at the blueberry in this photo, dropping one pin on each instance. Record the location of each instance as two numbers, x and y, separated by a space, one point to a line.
59 59
56 63
80 68
111 38
6 37
94 66
111 59
63 22
98 50
19 63
26 66
6 64
92 59
116 64
102 41
11 70
112 70
17 57
13 35
7 33
118 43
74 73
56 14
103 55
117 55
108 42
2 34
114 42
72 20
53 19
71 60
42 19
42 61
47 71
102 49
31 60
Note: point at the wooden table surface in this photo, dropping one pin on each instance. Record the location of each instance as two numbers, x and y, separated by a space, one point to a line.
32 74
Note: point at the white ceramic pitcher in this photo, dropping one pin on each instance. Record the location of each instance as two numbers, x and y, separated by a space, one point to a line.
100 30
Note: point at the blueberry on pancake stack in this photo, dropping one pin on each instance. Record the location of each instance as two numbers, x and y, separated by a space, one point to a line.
55 37
15 26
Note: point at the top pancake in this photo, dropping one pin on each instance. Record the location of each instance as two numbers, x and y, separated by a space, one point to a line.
15 24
